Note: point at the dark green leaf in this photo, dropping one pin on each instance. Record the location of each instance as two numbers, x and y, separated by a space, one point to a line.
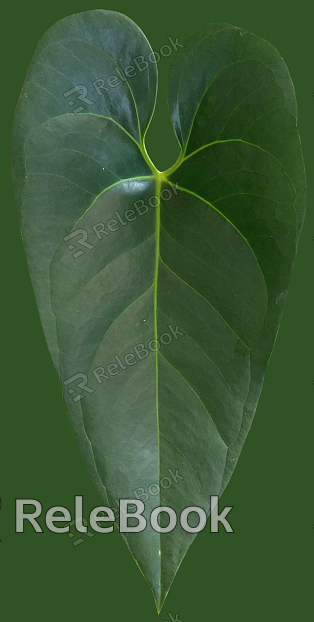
121 256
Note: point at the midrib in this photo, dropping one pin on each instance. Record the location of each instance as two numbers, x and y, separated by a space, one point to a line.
157 254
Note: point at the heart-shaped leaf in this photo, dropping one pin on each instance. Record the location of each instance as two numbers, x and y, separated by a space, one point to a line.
160 293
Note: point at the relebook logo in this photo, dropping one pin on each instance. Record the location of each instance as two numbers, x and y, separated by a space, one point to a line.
103 514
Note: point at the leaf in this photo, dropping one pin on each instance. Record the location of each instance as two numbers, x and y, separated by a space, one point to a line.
160 293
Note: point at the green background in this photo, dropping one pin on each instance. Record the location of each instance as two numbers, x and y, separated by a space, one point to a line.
264 570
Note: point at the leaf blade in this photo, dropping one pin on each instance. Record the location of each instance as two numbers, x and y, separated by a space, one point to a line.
191 266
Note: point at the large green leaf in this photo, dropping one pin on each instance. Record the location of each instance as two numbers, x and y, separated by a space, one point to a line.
197 258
